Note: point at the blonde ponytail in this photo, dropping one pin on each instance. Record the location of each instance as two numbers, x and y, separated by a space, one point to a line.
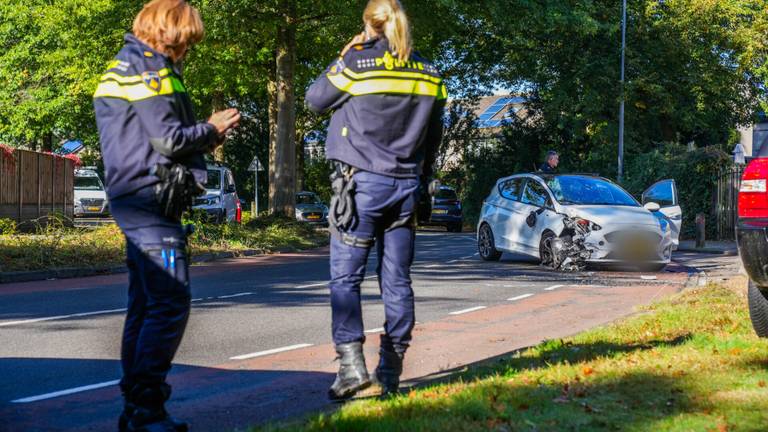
388 18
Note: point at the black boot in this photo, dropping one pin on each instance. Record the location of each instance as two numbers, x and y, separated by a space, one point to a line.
389 370
145 410
353 375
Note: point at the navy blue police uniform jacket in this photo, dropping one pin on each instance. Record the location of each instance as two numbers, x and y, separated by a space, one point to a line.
145 117
388 114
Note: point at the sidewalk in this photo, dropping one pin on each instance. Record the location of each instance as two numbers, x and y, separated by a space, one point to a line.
711 247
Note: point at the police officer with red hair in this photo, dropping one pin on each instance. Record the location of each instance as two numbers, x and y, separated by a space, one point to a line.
153 150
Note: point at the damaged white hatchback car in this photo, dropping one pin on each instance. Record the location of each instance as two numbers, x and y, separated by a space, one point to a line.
569 221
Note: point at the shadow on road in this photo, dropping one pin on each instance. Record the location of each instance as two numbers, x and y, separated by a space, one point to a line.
210 398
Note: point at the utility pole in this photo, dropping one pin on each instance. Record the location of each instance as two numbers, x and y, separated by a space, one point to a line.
621 106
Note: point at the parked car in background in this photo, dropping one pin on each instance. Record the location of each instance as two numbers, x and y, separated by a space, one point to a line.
90 195
524 213
220 201
752 240
310 209
444 209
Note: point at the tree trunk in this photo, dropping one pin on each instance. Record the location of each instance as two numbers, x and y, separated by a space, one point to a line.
282 190
47 144
218 104
272 115
300 162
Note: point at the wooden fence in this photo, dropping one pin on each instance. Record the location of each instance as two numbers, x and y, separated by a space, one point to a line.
35 185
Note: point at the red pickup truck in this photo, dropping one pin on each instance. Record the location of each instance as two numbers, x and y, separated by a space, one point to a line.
752 239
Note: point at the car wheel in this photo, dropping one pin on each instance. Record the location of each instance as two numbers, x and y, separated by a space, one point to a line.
545 248
486 245
758 309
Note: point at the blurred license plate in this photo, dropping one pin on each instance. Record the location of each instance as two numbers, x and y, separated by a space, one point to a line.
439 211
313 217
94 209
640 249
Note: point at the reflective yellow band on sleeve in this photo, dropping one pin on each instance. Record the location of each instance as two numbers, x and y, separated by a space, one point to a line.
140 91
131 79
391 74
443 92
387 85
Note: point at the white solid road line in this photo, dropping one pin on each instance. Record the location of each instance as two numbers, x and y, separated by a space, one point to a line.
59 317
235 295
520 297
268 352
376 330
467 257
477 308
453 261
65 392
553 287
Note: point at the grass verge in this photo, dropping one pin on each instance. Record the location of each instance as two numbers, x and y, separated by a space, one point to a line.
57 246
691 363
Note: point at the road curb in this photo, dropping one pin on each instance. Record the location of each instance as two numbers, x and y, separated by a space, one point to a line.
78 272
710 251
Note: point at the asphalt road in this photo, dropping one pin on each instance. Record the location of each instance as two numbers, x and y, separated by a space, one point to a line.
63 336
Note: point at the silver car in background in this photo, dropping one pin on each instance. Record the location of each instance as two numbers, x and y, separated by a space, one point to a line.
90 195
220 201
310 209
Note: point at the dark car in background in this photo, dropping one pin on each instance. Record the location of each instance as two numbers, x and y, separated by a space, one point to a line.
752 239
444 209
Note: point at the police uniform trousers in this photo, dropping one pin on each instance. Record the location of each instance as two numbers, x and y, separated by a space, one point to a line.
381 203
158 290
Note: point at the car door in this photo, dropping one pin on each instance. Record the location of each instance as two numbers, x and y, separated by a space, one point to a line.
538 214
664 193
505 213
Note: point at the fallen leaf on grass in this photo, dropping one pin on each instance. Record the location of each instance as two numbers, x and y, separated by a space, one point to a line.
761 383
587 370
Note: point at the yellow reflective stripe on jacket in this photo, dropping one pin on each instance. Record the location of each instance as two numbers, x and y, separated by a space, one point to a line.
140 91
387 84
391 74
133 79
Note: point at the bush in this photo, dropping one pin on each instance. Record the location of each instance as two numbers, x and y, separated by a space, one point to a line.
7 227
695 173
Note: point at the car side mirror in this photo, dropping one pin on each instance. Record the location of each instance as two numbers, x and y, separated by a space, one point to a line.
652 206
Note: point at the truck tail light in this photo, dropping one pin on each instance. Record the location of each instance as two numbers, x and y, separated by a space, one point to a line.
753 193
238 212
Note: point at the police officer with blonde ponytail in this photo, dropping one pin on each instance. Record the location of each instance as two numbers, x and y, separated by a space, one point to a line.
387 103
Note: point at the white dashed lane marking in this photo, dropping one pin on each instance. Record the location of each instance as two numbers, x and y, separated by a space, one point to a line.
520 297
65 392
463 311
268 352
553 287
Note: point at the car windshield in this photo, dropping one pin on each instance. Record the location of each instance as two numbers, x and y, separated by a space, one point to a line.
306 199
446 194
88 183
580 190
214 180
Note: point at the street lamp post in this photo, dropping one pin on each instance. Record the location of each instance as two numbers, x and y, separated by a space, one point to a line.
621 106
